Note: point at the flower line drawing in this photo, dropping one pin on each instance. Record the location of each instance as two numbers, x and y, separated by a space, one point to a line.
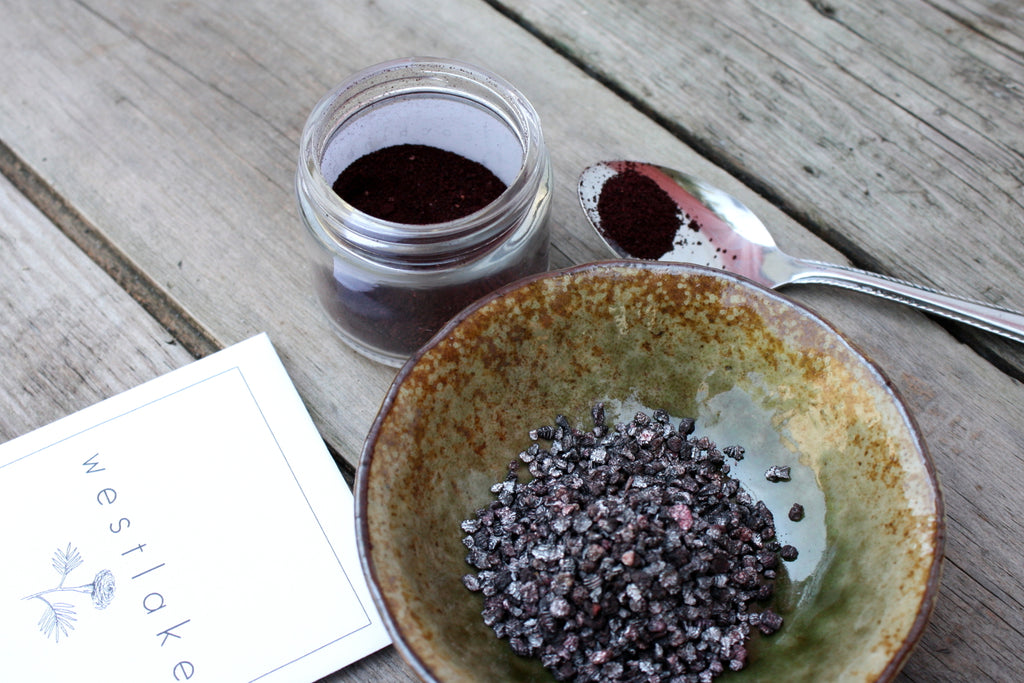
59 617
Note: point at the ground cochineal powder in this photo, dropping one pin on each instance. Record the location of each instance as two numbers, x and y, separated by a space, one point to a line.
417 185
638 215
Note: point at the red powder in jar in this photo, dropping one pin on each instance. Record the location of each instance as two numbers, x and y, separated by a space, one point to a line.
638 215
417 185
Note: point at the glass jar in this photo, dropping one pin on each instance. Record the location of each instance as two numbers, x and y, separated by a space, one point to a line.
388 287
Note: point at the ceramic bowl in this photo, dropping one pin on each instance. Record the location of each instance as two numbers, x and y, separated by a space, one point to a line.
752 367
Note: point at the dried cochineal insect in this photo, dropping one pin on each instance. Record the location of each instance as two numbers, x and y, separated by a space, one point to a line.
630 554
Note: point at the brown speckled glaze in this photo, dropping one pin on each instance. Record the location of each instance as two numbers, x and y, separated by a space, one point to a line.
660 334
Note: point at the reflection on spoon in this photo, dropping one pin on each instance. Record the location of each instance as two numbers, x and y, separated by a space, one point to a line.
714 229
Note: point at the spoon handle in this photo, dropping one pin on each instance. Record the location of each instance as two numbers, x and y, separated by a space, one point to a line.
991 318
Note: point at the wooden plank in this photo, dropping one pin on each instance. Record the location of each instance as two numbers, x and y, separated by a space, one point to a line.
173 131
72 337
892 129
69 336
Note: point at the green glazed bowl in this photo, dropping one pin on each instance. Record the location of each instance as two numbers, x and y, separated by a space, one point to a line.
752 367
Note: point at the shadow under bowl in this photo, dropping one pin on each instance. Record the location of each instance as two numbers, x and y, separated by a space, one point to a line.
751 366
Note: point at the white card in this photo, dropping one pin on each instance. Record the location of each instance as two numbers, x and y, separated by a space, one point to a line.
193 528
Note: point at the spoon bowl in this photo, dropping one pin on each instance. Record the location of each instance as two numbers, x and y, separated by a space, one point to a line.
717 230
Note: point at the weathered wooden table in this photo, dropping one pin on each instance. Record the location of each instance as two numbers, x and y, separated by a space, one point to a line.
147 214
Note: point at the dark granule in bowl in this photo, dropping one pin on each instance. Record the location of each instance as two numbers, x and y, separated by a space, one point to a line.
629 555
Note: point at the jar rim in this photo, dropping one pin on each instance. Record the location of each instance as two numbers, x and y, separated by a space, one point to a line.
413 77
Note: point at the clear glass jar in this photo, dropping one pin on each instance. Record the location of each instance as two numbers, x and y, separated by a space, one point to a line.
388 287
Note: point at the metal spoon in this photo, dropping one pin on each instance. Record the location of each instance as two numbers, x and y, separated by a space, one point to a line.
718 231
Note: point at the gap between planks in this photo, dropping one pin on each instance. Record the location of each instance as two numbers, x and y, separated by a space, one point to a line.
1004 355
182 327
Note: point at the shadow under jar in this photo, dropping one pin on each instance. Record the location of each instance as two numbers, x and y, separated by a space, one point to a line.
387 287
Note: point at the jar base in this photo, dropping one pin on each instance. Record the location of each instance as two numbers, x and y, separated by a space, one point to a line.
383 357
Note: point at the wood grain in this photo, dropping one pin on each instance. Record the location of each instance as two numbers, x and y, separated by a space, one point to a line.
70 336
894 130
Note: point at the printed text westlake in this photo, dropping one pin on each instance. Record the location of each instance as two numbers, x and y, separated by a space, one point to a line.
142 569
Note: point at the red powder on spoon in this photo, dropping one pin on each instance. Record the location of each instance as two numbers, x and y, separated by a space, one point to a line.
638 215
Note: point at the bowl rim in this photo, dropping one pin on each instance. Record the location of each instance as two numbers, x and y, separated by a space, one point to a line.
364 543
